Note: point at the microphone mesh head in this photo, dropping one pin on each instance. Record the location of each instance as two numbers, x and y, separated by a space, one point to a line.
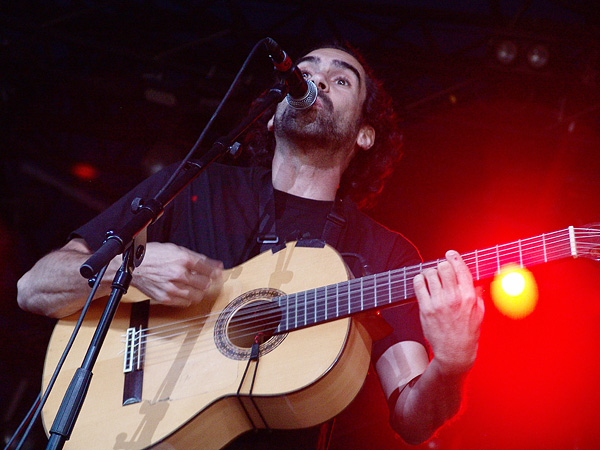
307 101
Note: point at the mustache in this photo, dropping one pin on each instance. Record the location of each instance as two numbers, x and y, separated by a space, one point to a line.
326 100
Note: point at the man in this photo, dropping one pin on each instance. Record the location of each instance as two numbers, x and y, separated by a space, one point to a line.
314 152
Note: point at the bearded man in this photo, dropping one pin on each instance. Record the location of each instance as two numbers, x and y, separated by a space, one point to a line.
327 161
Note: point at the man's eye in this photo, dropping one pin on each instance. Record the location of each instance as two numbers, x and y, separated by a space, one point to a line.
306 75
342 82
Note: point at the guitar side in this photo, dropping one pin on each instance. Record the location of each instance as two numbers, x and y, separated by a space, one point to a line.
189 392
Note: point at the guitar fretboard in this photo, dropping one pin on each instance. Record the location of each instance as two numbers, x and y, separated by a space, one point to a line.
395 287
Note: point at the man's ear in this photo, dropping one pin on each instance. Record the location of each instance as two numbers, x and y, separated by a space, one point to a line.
270 123
366 137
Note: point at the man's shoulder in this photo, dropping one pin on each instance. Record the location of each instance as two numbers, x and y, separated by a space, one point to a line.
226 175
367 224
220 169
384 247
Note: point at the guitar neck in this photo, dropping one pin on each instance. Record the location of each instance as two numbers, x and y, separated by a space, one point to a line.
395 287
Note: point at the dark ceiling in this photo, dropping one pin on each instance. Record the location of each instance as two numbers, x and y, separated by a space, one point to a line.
116 83
493 151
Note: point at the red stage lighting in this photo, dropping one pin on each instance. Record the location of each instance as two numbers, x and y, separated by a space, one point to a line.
84 171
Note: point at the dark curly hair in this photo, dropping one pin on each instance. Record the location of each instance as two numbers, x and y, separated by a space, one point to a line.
365 176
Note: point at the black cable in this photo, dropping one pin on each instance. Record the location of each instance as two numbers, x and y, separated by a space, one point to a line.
41 400
215 114
35 411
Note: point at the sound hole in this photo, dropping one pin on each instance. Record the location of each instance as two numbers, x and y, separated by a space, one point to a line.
255 319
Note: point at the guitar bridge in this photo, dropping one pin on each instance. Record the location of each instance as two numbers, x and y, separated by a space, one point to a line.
135 349
133 356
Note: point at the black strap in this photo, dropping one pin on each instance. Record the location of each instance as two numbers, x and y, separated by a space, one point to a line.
267 234
335 224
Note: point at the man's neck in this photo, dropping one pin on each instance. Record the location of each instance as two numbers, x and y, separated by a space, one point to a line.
300 175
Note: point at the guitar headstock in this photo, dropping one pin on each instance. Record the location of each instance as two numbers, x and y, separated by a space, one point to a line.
587 241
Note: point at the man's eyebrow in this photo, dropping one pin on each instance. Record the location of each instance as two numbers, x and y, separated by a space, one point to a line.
345 65
336 62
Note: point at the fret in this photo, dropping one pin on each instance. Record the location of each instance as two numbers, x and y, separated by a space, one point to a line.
325 302
337 300
332 306
308 307
349 304
319 307
370 298
305 308
375 289
527 250
544 245
315 303
362 299
520 255
296 307
497 259
390 285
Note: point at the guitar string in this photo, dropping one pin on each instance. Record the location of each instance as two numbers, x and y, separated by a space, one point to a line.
260 319
212 347
353 306
410 272
367 298
482 263
202 346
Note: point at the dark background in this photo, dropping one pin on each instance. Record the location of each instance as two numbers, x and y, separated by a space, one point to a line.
493 153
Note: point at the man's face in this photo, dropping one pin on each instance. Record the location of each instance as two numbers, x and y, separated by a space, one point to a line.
333 122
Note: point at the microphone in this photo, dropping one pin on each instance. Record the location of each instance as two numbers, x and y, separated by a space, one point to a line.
302 94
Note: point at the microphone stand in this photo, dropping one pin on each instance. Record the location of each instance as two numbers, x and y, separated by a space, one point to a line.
130 240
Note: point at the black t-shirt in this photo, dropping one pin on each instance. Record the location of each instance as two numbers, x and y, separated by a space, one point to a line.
224 210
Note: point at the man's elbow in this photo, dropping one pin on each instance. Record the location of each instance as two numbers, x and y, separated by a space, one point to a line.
27 299
414 434
23 295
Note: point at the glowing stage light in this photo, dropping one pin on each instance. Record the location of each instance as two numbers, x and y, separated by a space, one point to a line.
513 284
514 292
506 52
538 56
84 171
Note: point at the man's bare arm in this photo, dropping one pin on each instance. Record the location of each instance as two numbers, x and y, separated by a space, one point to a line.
451 316
169 274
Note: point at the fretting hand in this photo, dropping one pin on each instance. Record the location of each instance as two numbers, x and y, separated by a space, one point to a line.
451 313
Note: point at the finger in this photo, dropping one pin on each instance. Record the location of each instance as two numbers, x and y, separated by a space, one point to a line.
463 274
197 281
421 292
447 276
192 295
479 306
185 295
204 265
434 284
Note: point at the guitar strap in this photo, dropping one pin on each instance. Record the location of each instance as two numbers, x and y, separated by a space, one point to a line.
335 224
267 235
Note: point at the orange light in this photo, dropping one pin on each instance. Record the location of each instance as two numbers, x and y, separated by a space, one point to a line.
514 292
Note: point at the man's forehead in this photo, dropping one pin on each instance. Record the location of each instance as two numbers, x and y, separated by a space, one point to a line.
336 57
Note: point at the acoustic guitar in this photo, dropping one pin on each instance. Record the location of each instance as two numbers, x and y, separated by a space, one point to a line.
277 345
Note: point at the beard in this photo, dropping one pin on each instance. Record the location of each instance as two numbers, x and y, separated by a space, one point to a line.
315 129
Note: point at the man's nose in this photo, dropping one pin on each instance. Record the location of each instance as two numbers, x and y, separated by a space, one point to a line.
321 81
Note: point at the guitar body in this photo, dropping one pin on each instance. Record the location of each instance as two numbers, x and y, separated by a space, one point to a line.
192 371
